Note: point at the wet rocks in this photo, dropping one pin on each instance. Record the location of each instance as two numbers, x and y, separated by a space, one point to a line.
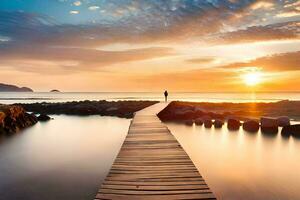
180 111
218 123
184 114
43 118
291 130
199 122
14 118
233 124
124 109
283 121
207 123
214 114
251 126
268 122
269 130
189 122
269 125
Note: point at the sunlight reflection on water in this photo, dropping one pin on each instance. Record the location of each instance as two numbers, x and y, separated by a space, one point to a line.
241 165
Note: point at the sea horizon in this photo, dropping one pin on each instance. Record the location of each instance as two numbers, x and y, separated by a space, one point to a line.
234 97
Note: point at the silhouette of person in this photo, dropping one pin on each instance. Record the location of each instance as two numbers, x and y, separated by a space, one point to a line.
166 95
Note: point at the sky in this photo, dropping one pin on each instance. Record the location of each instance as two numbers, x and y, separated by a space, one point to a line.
151 45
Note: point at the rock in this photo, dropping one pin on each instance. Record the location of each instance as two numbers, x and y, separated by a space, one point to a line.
207 123
233 124
111 109
14 118
291 130
251 126
206 117
269 125
43 118
199 112
31 118
218 123
2 117
189 122
187 114
268 122
199 122
124 109
283 121
269 130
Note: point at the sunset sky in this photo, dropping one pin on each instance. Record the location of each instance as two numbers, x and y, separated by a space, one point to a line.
151 45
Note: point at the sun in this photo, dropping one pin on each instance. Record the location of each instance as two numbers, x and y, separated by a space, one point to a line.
252 78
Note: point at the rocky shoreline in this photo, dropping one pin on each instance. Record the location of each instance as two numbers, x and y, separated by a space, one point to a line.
251 116
15 118
123 109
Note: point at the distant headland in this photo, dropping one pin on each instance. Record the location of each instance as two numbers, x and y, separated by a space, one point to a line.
13 88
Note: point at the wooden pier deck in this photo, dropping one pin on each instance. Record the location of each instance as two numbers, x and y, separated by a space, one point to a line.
152 165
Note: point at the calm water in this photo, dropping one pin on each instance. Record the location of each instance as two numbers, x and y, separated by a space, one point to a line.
66 158
12 97
239 165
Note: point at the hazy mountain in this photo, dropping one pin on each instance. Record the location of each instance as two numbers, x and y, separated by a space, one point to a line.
13 88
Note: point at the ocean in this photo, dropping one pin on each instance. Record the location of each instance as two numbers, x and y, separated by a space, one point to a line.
69 157
20 97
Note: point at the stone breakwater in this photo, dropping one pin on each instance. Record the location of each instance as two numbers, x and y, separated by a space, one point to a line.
123 109
15 118
198 114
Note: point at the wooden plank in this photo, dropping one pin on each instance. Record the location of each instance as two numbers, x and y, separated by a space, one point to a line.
153 183
156 188
152 165
205 196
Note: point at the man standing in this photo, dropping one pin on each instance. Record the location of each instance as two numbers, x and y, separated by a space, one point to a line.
166 95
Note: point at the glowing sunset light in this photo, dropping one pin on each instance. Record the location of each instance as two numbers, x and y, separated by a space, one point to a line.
252 78
139 45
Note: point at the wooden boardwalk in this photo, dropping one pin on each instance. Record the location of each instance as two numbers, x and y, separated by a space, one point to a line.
152 165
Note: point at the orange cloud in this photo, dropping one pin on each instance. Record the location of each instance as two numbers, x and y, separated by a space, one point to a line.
262 4
74 59
276 62
204 60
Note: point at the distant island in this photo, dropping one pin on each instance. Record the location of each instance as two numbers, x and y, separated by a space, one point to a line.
54 91
13 88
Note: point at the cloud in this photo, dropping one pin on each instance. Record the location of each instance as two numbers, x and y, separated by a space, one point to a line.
262 5
279 31
93 8
74 12
188 81
4 39
277 62
137 21
77 3
143 22
77 59
289 14
204 60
